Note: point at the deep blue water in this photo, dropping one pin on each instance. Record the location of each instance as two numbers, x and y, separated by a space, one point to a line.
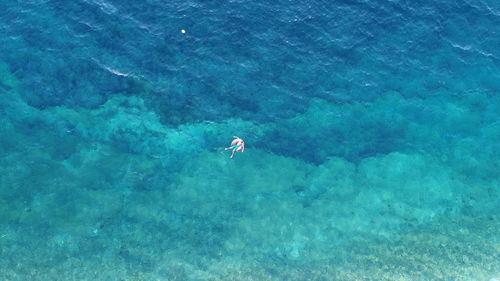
372 133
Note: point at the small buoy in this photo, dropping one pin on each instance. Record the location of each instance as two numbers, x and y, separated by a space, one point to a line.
183 31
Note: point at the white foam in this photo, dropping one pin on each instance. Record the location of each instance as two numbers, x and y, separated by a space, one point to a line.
113 70
116 72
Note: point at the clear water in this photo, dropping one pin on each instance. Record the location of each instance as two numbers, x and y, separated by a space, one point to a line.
372 134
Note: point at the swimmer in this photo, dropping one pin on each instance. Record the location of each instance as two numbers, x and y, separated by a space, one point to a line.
237 145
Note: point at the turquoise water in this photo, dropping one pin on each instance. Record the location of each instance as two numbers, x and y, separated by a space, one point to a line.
372 133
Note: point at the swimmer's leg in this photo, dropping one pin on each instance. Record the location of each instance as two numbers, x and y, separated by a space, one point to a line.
232 154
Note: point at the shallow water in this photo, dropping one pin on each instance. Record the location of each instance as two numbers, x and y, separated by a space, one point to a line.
372 135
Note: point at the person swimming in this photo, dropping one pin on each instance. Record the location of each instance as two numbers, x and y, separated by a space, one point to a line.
237 145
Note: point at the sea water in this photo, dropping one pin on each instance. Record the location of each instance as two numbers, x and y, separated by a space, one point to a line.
372 132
